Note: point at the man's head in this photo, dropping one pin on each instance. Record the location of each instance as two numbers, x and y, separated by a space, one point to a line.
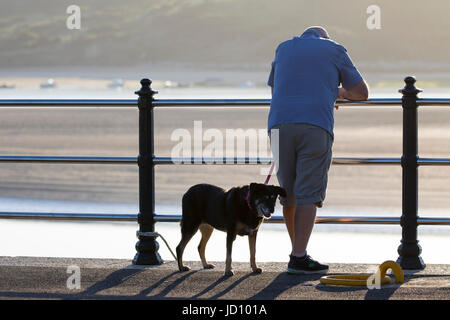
320 30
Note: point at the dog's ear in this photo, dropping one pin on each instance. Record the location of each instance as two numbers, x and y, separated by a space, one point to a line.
253 187
280 191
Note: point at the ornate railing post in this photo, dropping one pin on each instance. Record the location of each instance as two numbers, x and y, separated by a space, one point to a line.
409 249
147 246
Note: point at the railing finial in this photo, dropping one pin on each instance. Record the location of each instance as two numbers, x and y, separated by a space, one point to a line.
410 88
146 89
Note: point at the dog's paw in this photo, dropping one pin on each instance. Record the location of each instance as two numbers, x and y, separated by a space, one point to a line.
209 266
184 268
257 270
229 273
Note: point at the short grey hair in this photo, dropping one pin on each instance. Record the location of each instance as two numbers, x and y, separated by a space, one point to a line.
320 30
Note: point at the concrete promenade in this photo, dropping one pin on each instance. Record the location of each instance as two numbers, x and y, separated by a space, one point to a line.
48 278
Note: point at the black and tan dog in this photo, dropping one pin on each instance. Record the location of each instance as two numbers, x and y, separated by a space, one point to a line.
238 211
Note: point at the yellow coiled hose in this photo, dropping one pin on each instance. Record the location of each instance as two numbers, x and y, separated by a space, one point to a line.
361 279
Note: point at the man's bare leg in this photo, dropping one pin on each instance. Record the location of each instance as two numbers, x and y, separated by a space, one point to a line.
288 214
304 219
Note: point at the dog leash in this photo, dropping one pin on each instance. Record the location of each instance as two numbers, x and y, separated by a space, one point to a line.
155 234
270 173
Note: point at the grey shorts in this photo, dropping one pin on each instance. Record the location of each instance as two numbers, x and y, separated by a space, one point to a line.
304 156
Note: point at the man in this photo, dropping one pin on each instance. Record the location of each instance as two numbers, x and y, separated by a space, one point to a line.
305 78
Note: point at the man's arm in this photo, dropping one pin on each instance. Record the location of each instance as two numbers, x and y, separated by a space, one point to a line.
359 91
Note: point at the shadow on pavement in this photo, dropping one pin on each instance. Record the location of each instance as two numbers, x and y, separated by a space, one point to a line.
170 287
112 280
282 283
225 291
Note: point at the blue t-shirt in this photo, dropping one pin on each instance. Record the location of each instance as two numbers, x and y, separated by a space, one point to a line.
305 77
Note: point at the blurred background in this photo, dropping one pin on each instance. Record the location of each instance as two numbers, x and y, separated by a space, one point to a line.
209 49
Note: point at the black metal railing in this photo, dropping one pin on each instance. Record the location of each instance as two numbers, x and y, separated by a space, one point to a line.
147 246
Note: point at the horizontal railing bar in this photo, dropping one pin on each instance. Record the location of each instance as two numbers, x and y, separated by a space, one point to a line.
210 102
68 216
337 161
433 102
334 220
198 102
322 220
374 161
177 218
193 160
67 160
266 102
433 161
68 102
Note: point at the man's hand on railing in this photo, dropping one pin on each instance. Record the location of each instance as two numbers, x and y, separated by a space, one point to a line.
358 92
